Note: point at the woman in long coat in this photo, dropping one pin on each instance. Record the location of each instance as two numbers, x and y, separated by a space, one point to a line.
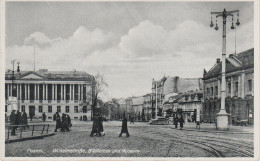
181 120
124 127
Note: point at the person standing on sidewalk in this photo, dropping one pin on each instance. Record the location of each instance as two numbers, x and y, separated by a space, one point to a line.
175 121
58 121
43 116
12 121
181 120
124 127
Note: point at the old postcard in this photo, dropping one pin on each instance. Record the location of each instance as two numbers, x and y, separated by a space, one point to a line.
130 80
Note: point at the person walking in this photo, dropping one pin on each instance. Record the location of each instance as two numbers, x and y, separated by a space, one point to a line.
175 122
58 121
12 122
101 128
124 127
43 116
25 120
181 120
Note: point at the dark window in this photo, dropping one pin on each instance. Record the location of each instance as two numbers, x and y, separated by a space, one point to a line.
40 108
58 92
67 92
32 92
23 108
229 88
50 109
6 94
40 92
216 90
49 91
236 88
67 109
84 92
211 91
250 85
23 92
76 109
84 109
5 108
76 92
58 109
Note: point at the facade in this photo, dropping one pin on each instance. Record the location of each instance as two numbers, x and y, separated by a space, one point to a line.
46 91
169 85
239 88
189 104
149 112
137 108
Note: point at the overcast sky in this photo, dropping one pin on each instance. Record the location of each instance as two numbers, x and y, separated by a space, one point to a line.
129 42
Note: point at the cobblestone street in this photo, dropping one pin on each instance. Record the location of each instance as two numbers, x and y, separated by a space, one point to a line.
145 141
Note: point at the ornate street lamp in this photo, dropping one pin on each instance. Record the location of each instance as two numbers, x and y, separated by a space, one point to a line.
18 70
222 116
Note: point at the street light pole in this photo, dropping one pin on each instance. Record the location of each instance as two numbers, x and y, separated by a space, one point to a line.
222 116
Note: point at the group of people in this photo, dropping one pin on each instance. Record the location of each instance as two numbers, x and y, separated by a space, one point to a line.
98 129
178 120
63 122
18 118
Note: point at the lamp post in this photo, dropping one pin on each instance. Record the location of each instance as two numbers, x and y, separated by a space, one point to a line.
222 116
18 70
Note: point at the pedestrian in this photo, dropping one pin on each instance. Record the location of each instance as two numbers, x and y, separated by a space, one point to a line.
12 122
181 120
31 115
175 122
43 116
25 121
69 121
124 127
101 128
18 120
64 122
58 121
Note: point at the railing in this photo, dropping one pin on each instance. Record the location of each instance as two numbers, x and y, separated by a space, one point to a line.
22 128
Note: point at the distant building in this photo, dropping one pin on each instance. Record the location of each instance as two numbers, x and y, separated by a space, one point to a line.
239 88
137 108
149 112
168 85
46 91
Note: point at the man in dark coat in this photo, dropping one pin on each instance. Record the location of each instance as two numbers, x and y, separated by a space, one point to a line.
175 121
24 120
12 122
58 121
101 128
95 127
18 120
181 120
43 116
69 121
124 127
65 124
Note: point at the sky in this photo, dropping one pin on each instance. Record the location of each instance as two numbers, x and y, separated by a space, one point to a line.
130 43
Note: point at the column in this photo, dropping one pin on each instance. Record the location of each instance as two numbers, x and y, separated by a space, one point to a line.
52 92
78 91
81 92
219 89
28 85
43 91
8 93
65 92
25 91
46 91
35 92
70 92
56 92
243 85
232 86
38 91
20 91
11 90
239 86
61 92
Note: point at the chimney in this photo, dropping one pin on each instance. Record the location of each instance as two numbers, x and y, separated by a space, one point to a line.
231 55
218 60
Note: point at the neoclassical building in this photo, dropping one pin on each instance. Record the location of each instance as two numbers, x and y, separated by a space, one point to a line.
239 88
46 91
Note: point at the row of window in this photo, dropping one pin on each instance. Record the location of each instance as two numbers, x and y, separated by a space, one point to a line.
67 109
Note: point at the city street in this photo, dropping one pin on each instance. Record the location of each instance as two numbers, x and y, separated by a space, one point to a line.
144 141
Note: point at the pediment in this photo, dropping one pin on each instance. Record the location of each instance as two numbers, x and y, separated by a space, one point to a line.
32 76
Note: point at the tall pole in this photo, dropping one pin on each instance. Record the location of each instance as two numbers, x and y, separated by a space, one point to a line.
222 116
34 56
155 99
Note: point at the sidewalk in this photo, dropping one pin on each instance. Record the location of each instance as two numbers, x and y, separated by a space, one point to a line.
207 127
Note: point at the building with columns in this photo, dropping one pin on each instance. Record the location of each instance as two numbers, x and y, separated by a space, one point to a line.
239 88
46 91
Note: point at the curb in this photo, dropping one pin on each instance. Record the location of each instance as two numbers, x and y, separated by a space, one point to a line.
28 138
216 131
